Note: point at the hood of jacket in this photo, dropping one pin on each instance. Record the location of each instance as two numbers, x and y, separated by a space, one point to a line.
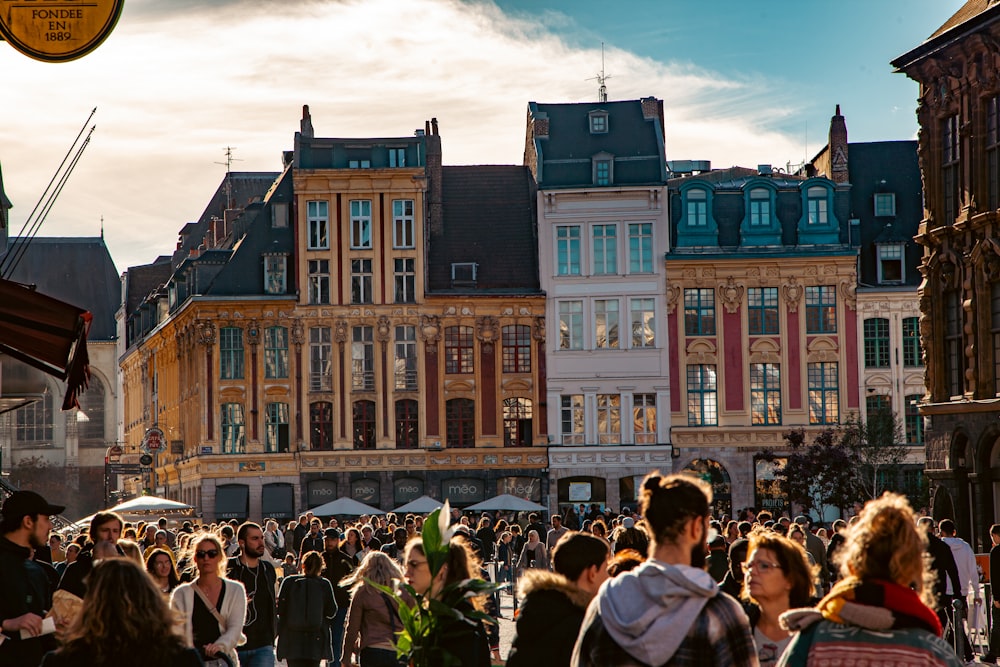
534 581
650 610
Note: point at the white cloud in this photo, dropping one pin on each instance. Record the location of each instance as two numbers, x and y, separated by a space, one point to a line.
177 82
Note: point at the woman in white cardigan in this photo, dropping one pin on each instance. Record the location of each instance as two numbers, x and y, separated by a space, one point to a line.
226 603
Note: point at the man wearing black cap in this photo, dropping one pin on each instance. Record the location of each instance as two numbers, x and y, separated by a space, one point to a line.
25 592
336 566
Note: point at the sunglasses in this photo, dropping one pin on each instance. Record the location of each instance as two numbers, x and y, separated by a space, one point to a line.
211 553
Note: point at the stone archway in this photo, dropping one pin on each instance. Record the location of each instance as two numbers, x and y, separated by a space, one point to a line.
716 476
942 506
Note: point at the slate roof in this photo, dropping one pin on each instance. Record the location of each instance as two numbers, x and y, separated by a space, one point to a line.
489 219
142 280
79 271
967 11
971 15
565 156
5 204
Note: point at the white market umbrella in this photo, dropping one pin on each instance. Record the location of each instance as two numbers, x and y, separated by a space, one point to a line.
422 505
151 505
506 502
345 507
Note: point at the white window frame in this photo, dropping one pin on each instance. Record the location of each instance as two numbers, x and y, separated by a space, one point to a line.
644 416
572 412
405 359
362 283
397 157
275 274
361 224
608 265
640 258
405 280
318 223
567 242
402 224
319 281
608 310
642 318
570 321
609 413
320 359
885 252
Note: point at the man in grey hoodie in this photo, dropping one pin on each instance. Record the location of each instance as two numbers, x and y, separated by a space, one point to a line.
669 610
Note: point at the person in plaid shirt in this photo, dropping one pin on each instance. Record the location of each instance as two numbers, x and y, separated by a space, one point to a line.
669 610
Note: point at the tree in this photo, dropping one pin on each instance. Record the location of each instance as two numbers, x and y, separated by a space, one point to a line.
876 442
818 475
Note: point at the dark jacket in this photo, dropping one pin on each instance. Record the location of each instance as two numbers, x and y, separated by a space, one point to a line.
263 631
468 643
336 566
76 572
24 588
942 564
306 606
549 620
179 657
310 543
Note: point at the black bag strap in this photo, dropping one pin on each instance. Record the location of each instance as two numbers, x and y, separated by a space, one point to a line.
392 612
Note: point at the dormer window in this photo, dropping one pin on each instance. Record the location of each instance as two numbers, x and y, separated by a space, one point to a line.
885 204
603 168
816 204
818 224
760 207
890 263
696 226
598 122
697 208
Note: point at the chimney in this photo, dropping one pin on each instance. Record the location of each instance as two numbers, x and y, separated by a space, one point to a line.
306 124
838 149
434 126
540 125
435 205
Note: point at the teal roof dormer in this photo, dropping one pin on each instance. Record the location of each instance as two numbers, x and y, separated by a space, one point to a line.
697 226
760 226
818 224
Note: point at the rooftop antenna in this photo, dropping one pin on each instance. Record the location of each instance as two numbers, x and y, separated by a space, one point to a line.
602 90
229 168
102 227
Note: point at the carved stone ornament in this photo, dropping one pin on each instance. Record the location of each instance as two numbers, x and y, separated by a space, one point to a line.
383 329
673 296
430 329
253 332
791 292
487 329
206 333
538 330
732 295
298 333
340 331
848 291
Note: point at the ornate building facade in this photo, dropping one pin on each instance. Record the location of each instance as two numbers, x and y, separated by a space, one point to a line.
959 115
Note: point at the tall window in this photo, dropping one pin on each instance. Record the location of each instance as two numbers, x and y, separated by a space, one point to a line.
765 394
993 151
275 274
912 354
571 325
699 311
233 429
953 339
606 323
821 309
949 168
361 224
318 221
602 172
397 157
361 281
890 262
319 281
406 358
91 428
914 422
874 403
762 311
816 200
605 240
320 359
460 422
517 348
995 332
33 422
572 419
516 422
609 419
876 342
231 353
276 427
275 352
568 250
703 399
405 281
643 317
697 208
364 424
321 425
402 223
824 393
459 353
760 207
640 247
362 358
407 424
644 418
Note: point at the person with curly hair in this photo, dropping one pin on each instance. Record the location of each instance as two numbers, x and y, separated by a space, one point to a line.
878 612
123 616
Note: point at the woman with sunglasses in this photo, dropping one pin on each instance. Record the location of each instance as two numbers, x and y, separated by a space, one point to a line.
777 577
214 608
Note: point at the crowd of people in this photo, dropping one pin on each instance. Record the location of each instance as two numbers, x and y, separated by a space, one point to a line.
666 584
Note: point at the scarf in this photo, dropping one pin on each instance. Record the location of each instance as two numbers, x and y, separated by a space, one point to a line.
877 605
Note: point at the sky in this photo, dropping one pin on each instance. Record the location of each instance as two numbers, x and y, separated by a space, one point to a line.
179 81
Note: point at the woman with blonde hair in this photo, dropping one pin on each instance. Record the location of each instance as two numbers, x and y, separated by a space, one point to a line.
878 612
374 616
213 608
123 616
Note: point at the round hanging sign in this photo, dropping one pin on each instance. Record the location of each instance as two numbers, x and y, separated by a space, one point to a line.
57 30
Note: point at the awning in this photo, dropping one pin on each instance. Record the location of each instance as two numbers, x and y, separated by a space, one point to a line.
46 333
232 501
277 501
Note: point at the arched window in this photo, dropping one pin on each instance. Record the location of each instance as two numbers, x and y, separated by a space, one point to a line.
321 425
364 424
33 422
407 424
517 422
460 418
90 418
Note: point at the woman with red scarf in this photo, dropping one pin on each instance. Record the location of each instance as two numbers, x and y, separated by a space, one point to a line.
877 613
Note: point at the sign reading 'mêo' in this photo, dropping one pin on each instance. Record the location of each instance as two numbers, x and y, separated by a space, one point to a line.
57 30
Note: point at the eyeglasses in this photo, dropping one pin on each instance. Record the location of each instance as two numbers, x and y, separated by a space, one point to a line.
761 566
210 553
415 563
